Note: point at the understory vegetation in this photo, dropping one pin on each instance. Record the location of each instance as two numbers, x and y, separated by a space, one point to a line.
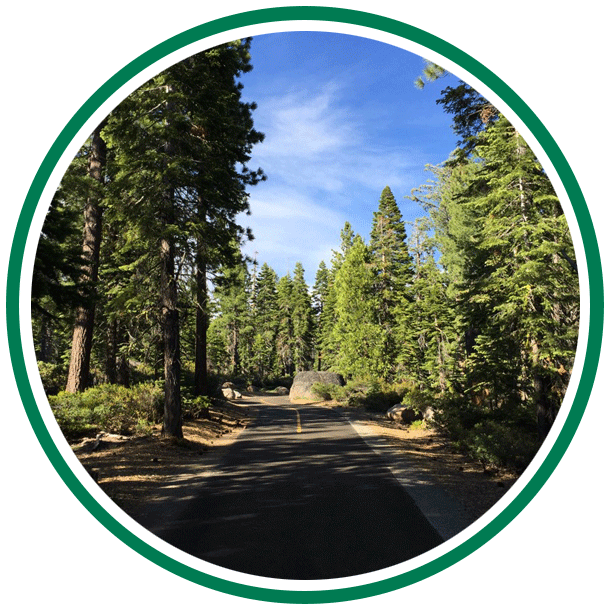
469 314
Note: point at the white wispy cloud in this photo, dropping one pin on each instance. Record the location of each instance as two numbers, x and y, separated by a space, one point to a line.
291 227
321 139
325 164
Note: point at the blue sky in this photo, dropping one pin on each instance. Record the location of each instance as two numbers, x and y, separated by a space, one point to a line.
342 119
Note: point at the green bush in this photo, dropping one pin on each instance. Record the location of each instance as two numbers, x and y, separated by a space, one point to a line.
360 394
503 437
197 407
322 390
53 377
379 398
108 408
329 391
419 424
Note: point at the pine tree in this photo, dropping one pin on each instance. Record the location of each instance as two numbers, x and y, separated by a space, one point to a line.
329 343
232 329
223 127
266 322
356 334
393 269
181 143
78 373
319 302
302 321
57 268
425 324
518 292
285 331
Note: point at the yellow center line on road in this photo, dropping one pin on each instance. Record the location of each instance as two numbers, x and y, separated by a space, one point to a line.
298 420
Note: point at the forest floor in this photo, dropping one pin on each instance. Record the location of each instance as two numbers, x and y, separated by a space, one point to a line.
129 469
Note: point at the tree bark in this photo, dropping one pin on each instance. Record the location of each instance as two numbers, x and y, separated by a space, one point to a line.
46 340
201 328
170 319
111 351
172 414
123 374
82 340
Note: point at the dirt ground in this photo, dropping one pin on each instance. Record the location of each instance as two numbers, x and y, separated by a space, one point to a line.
129 469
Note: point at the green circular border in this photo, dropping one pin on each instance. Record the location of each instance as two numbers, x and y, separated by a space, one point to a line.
375 22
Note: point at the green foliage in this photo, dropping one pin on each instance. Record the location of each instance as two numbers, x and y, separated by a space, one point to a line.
419 424
197 407
380 397
302 321
504 437
108 408
328 391
53 377
374 396
355 337
392 268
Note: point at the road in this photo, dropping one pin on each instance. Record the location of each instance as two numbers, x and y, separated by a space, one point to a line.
299 495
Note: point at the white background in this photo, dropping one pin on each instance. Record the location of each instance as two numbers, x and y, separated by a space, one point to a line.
54 56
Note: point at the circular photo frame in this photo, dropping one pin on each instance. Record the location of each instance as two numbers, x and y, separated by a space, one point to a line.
590 274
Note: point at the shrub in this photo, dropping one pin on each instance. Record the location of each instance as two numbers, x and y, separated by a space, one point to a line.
53 377
503 437
197 407
380 397
419 424
329 391
360 394
108 408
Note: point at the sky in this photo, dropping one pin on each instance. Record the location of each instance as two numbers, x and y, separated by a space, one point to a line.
342 119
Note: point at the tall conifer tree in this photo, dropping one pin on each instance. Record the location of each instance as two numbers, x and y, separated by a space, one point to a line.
393 269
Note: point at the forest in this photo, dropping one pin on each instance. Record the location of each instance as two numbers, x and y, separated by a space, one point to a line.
143 303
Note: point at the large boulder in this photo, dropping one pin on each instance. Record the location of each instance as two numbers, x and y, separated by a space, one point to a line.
228 393
303 382
403 414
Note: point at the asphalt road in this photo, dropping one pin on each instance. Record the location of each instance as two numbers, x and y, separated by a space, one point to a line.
299 495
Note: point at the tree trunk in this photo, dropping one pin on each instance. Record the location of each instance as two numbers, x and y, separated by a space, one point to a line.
545 409
80 357
111 351
172 414
201 328
123 376
170 320
46 340
234 350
